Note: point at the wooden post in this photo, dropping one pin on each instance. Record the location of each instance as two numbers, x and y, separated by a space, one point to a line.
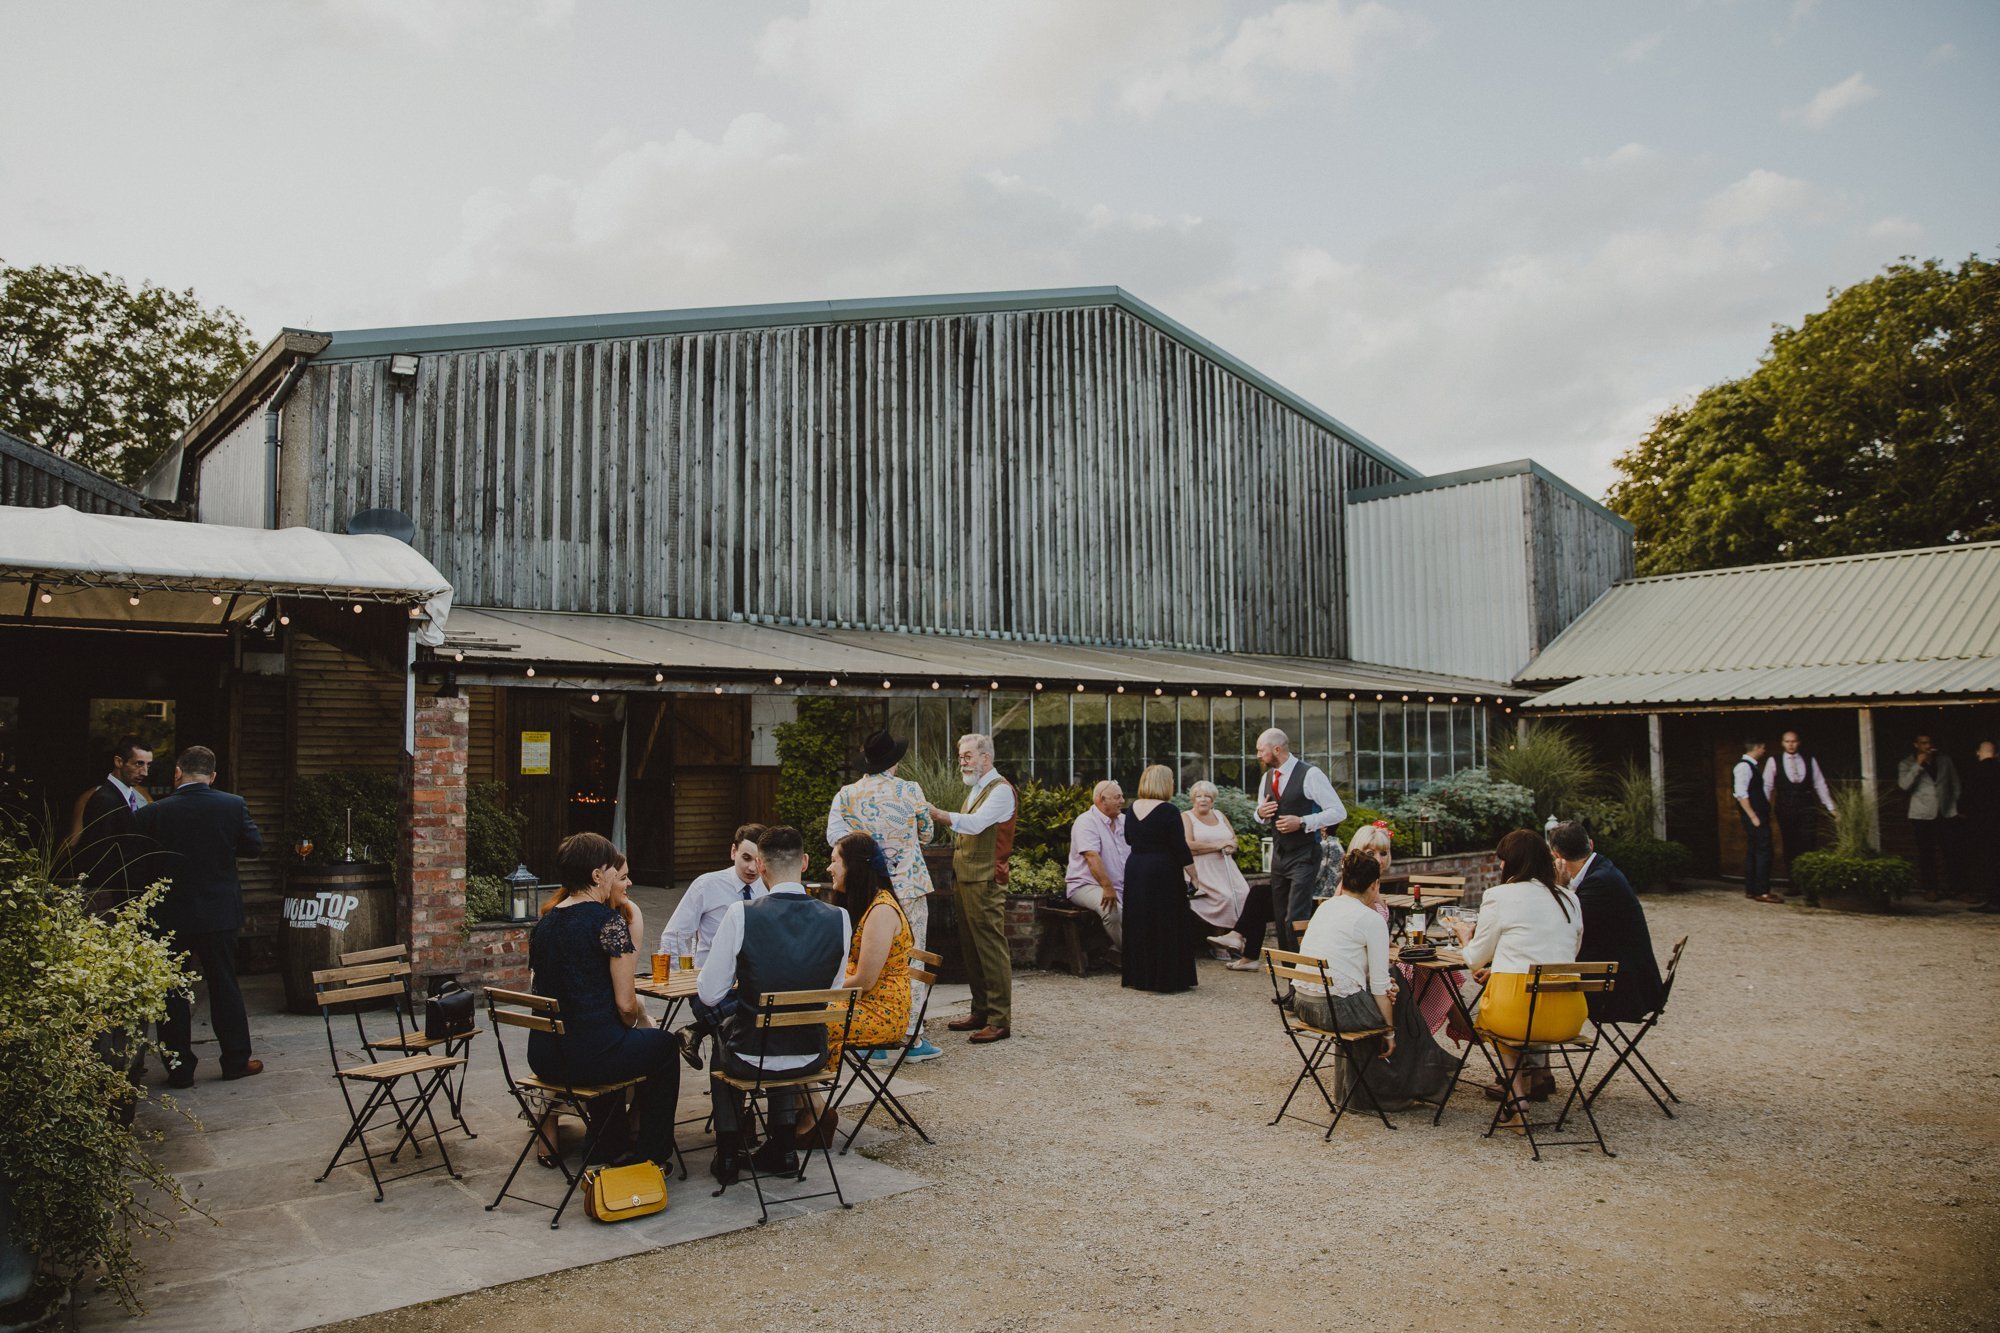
1656 752
1865 722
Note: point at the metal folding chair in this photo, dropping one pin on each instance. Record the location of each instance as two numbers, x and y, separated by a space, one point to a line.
414 1042
1626 1045
784 1009
1314 1044
923 967
1557 979
355 987
544 1102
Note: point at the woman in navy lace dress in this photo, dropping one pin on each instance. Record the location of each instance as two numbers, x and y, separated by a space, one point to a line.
582 954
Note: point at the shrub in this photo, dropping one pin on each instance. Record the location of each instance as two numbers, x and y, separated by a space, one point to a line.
1042 816
1039 878
78 985
942 784
321 805
1357 815
812 762
1250 852
1649 863
487 898
1554 764
1876 880
1467 810
1854 816
493 832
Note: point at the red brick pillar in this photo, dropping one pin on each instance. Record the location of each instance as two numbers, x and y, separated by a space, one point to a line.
432 891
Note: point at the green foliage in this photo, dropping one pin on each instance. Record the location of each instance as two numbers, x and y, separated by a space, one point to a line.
1235 805
487 899
1632 798
1554 765
80 1182
1873 426
1648 862
493 833
1874 880
1042 818
105 375
1854 819
1467 810
812 763
943 786
1039 877
1250 853
320 806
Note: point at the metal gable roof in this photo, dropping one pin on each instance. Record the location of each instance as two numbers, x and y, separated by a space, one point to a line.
1901 623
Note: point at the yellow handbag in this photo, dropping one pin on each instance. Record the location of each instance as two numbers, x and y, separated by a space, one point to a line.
620 1193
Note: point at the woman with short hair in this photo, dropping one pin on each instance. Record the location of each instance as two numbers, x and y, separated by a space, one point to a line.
1158 954
1218 889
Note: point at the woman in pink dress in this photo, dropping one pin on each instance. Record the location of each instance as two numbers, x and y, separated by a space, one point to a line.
1436 1003
1219 887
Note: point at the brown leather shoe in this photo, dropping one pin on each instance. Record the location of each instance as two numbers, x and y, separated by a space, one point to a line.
990 1033
249 1067
970 1023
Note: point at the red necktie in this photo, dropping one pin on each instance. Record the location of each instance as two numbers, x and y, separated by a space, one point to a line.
1275 773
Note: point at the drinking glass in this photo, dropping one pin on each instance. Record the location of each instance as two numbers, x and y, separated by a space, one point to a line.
662 965
684 948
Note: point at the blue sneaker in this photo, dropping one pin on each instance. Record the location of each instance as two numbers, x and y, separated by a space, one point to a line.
923 1050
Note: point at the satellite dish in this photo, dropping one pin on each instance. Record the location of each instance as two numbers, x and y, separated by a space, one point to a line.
385 522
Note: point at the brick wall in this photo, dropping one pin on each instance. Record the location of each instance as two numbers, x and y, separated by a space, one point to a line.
432 865
1481 870
495 954
1024 932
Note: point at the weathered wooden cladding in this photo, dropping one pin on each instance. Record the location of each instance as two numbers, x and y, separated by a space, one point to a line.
1059 474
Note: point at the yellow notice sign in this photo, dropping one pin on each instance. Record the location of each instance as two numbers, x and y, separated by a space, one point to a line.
534 752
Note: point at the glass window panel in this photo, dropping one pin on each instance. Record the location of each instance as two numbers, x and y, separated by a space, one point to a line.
1313 735
1461 738
1368 752
1395 749
1340 744
961 719
1013 736
1226 727
1440 725
901 720
1286 717
1087 714
927 737
1052 738
1128 739
10 733
1162 734
1194 762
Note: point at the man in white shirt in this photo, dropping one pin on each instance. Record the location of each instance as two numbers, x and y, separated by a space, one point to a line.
786 940
700 912
1753 809
985 829
1297 800
1795 782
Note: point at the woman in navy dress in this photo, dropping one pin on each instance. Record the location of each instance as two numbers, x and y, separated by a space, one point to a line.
1159 926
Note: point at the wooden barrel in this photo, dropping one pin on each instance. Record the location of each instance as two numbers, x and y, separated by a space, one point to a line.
329 911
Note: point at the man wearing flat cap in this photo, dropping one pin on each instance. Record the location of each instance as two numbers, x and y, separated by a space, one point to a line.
892 811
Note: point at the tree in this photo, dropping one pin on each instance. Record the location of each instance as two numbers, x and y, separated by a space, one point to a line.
1873 426
105 375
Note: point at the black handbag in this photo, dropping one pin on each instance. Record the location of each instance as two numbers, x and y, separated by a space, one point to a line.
448 1014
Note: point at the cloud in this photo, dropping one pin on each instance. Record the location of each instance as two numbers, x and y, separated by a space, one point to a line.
1759 197
1317 37
1942 54
1833 99
1906 233
1639 48
443 24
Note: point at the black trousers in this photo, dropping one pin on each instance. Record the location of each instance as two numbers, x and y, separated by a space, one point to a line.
727 1102
1756 856
1293 878
1254 920
215 958
1798 825
1929 835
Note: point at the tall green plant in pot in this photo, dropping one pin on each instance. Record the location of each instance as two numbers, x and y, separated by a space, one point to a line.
812 761
1554 764
80 1184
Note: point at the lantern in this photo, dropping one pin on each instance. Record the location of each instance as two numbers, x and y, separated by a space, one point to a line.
522 890
1426 830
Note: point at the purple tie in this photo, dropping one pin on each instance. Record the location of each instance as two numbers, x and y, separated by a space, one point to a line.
132 799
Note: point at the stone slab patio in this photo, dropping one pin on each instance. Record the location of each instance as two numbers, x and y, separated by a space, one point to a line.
287 1253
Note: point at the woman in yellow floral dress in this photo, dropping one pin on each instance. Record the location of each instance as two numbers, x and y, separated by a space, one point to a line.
878 962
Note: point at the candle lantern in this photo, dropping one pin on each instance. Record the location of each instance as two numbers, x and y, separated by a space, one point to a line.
1426 833
522 890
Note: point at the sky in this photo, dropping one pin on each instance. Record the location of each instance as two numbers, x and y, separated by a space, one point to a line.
1473 232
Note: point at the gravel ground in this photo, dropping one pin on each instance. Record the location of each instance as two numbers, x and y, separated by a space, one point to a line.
1836 1164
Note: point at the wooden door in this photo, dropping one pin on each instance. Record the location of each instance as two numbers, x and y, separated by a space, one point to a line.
709 747
536 718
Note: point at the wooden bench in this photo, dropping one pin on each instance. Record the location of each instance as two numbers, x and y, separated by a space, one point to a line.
1063 931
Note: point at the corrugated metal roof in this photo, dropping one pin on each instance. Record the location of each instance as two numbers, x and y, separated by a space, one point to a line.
1470 476
554 639
1897 624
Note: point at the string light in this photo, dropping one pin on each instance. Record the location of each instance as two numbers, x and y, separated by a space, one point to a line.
1350 694
934 684
1121 689
1194 694
133 599
1260 694
357 608
47 598
659 677
1295 694
286 620
1038 685
994 686
215 600
1157 691
593 696
1454 698
1406 698
777 680
832 681
1378 698
1229 694
1322 694
885 684
531 671
718 689
458 656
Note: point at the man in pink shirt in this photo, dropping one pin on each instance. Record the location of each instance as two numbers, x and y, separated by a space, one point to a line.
1097 852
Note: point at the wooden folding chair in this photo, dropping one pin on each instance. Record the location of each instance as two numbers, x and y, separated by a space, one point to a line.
923 968
785 1009
1287 968
1626 1045
544 1102
354 986
414 1042
1557 979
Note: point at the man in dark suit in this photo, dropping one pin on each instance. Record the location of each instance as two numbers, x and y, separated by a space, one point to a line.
103 843
200 832
1614 927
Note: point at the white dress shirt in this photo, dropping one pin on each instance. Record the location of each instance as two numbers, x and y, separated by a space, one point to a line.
718 974
1319 790
700 909
1795 769
1740 779
1523 923
999 807
131 797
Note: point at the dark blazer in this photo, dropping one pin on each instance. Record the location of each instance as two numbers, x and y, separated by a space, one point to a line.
1614 931
198 832
108 846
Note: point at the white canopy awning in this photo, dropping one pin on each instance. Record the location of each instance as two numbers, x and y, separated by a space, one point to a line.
66 567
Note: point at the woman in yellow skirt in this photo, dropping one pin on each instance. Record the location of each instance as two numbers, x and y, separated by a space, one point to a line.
878 961
1524 921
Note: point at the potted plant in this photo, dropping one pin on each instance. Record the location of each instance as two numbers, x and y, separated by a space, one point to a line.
72 1166
1852 875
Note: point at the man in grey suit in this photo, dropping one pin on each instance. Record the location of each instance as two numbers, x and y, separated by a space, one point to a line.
198 833
1928 776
